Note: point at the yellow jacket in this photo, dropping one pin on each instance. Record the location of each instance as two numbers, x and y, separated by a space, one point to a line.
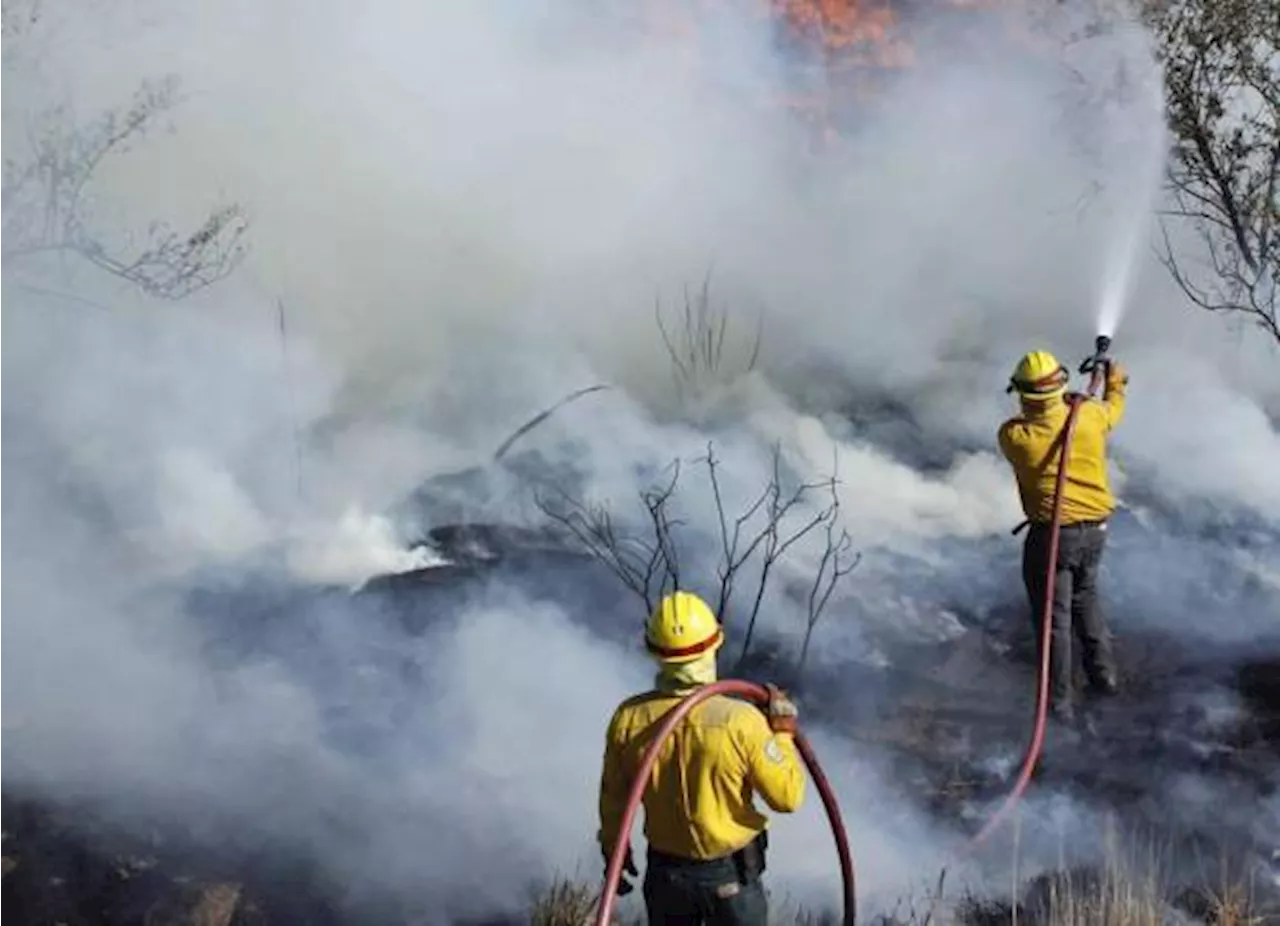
1032 443
698 803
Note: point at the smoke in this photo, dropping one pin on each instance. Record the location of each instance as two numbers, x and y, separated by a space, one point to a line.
466 211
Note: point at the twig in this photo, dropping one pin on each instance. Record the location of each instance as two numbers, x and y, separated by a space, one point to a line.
293 408
45 205
637 563
541 417
775 544
830 571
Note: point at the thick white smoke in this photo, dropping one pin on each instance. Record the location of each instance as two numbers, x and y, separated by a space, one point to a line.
466 210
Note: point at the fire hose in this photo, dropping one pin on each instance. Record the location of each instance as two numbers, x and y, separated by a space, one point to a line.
1096 366
759 694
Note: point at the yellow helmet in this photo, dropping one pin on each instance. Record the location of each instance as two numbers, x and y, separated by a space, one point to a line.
1039 376
682 628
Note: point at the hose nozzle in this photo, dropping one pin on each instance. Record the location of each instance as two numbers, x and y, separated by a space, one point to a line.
1101 344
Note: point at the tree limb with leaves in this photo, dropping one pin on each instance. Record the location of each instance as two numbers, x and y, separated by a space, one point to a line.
1221 62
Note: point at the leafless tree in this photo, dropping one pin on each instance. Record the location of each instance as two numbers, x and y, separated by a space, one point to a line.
761 535
47 203
1222 92
696 347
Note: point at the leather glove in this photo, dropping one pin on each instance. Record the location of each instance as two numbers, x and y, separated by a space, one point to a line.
782 711
1117 375
628 868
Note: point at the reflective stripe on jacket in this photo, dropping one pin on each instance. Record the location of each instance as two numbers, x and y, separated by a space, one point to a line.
1032 443
698 803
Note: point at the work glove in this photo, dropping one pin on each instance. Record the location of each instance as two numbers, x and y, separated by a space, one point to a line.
782 711
628 868
1117 375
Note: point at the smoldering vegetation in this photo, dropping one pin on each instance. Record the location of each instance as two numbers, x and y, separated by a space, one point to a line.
288 644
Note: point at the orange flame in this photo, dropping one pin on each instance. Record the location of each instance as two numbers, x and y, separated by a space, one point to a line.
865 28
855 41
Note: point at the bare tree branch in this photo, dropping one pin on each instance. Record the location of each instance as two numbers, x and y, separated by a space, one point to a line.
733 560
46 208
775 543
762 534
647 567
833 565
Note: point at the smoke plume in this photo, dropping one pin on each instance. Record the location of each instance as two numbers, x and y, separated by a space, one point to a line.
460 212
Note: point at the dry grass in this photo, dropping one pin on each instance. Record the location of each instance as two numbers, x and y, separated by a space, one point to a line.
565 903
1127 888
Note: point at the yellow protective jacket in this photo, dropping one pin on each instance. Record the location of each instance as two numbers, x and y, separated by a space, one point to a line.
1032 443
698 803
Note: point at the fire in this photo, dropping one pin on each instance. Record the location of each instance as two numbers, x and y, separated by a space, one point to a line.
864 30
847 46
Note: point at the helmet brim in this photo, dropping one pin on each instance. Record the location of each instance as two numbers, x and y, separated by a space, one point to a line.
1042 396
687 653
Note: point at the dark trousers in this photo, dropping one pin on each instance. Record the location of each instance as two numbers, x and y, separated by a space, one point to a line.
1075 605
717 892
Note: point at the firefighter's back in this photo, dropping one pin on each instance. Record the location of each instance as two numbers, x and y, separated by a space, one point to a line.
698 802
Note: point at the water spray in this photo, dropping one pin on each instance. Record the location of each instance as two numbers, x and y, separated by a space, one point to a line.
1116 283
1140 148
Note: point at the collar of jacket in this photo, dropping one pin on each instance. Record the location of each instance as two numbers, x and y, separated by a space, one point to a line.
1044 411
682 678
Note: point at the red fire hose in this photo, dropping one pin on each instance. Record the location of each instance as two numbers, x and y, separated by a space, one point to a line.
1032 755
760 695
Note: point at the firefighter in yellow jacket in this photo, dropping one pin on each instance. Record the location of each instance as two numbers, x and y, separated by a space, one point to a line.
706 839
1032 443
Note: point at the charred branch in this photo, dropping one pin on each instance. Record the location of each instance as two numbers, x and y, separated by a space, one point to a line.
543 416
770 525
774 541
837 560
647 565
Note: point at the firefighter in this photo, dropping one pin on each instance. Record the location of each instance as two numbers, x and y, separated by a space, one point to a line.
1032 443
706 839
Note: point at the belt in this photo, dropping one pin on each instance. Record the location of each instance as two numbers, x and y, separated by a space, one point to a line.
749 860
1045 525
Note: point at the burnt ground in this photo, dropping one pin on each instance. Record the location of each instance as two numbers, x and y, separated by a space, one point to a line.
954 724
